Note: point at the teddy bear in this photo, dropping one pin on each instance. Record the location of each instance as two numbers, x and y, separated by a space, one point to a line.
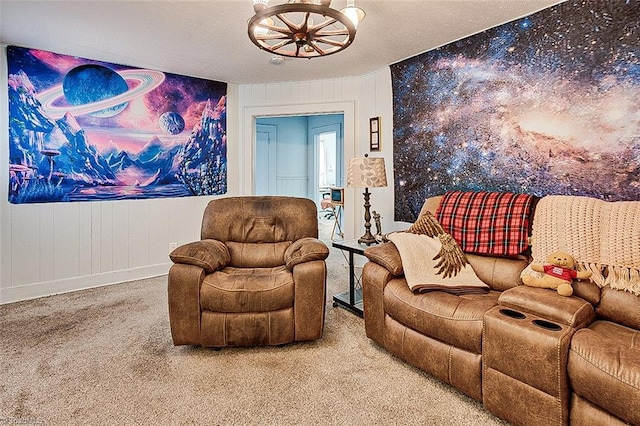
559 273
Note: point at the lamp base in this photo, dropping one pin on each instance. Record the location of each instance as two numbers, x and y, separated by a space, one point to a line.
367 239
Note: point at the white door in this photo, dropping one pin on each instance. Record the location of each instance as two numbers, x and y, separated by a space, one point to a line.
328 157
265 163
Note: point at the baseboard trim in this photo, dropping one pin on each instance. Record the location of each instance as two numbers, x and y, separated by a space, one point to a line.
49 288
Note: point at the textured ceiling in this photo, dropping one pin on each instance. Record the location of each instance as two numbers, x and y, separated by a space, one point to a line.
208 39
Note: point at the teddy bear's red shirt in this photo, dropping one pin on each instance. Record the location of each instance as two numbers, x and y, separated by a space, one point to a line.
565 274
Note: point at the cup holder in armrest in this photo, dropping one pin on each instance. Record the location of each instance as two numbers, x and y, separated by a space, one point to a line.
546 325
512 314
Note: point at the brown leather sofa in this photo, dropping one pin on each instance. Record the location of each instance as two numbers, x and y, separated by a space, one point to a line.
256 277
530 355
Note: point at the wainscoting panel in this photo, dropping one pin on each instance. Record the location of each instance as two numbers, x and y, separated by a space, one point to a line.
45 257
25 244
66 236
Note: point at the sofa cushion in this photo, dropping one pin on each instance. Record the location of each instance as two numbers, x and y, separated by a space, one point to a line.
247 329
620 306
487 222
260 219
587 290
585 413
604 368
456 320
247 290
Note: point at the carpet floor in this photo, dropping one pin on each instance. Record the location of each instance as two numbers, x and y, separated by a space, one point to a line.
104 356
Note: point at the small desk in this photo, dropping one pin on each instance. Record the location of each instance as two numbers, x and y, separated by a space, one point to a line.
352 299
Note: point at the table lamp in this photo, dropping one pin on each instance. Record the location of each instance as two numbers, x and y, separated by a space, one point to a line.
367 173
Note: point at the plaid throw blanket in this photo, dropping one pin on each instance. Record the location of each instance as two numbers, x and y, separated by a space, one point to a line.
495 223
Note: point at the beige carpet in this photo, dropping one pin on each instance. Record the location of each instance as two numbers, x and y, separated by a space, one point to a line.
104 357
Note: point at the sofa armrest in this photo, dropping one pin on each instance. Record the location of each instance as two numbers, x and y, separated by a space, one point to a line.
210 255
184 283
387 256
309 280
572 311
375 278
305 250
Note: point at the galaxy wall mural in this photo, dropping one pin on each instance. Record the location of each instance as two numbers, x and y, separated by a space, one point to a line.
82 130
547 104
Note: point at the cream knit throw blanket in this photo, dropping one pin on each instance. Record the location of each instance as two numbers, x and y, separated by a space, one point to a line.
603 237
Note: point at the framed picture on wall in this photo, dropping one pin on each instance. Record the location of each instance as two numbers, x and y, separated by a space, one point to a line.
374 134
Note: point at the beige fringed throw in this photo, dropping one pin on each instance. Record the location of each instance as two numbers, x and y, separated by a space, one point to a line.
603 237
572 225
620 245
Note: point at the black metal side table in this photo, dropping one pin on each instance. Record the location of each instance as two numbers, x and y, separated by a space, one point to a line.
352 299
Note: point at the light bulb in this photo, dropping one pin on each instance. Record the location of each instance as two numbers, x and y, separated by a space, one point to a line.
259 5
355 14
261 31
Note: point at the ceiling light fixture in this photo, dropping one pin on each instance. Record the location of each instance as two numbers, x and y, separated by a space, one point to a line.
304 28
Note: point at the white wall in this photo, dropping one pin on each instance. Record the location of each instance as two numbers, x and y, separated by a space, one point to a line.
359 98
58 247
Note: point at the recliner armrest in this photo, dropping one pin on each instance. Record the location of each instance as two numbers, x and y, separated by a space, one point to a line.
305 250
210 255
387 256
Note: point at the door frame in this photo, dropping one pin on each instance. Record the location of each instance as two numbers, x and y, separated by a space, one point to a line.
248 134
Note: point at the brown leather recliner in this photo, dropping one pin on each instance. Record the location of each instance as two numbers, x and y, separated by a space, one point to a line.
256 277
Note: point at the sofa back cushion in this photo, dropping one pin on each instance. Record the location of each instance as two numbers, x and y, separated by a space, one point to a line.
257 255
259 219
619 306
431 204
587 290
499 273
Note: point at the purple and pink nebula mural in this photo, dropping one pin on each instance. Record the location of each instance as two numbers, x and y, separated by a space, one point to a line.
87 130
547 104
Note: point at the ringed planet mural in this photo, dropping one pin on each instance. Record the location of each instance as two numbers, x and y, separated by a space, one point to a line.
82 130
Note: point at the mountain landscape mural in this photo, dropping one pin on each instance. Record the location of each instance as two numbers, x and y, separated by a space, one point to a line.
82 130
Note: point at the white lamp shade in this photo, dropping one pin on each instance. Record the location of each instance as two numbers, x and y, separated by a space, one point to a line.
366 172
